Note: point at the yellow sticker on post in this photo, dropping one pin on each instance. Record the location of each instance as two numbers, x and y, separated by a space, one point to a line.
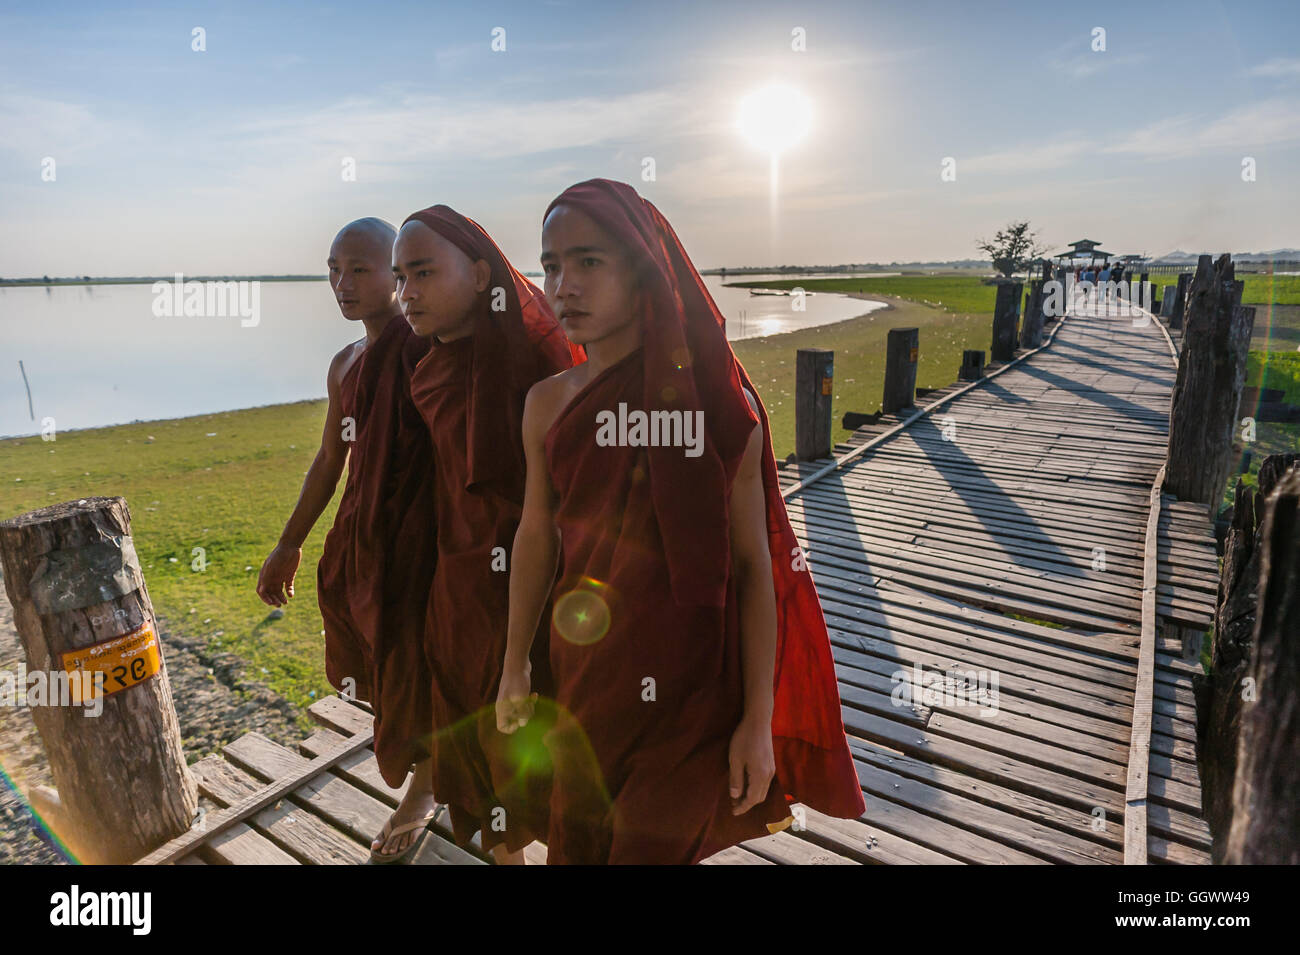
124 661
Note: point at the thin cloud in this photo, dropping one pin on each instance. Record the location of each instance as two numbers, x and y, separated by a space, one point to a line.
1277 68
1030 158
1265 123
36 126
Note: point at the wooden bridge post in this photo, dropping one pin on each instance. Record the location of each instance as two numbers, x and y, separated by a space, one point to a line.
813 384
1265 812
1004 321
86 623
1031 327
901 350
1207 391
1170 296
1179 312
972 365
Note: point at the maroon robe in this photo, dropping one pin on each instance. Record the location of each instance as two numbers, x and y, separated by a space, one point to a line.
375 572
471 394
646 552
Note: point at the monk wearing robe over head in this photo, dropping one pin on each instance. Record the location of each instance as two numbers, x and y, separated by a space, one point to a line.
694 686
377 566
492 337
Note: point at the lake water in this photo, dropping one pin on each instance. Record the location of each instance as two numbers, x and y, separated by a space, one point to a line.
97 355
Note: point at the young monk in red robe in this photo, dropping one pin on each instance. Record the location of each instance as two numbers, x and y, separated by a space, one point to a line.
377 566
492 337
694 683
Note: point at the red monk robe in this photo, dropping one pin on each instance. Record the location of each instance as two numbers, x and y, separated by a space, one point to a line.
646 552
471 393
374 576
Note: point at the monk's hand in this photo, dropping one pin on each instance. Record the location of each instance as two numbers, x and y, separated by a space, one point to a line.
275 581
514 701
752 763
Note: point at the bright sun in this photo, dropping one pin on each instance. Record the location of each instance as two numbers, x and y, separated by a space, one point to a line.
775 117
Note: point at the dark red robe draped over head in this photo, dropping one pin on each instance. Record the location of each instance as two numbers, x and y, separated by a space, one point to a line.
470 393
521 339
689 366
377 566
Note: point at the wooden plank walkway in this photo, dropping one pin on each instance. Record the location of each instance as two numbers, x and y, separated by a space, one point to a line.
996 540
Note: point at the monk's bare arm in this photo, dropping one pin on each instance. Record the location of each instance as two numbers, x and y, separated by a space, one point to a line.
275 581
533 559
752 763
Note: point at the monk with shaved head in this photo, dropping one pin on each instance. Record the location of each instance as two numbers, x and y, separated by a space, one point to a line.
377 567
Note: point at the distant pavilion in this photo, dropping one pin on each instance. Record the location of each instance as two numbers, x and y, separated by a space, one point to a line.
1083 249
1087 249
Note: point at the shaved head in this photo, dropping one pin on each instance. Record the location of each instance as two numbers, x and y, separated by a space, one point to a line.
360 268
370 229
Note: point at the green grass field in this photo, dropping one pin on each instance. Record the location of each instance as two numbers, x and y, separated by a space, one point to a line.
223 482
1275 370
964 294
1259 289
226 482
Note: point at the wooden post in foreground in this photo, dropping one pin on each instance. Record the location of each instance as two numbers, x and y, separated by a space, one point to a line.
1207 391
1266 814
87 626
1004 321
813 385
972 365
901 350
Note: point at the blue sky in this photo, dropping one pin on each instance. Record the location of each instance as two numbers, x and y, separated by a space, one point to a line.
229 160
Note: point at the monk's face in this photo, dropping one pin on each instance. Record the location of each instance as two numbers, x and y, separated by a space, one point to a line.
590 280
360 275
437 283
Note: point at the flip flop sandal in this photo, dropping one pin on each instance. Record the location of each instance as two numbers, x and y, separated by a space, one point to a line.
391 858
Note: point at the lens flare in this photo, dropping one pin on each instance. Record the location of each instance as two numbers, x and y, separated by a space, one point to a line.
582 615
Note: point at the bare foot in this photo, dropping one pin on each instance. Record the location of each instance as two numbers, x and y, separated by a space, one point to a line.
417 803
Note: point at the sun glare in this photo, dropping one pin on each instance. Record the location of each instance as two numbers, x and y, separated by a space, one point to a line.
775 117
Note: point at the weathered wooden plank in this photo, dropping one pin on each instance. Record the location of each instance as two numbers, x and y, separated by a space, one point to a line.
304 836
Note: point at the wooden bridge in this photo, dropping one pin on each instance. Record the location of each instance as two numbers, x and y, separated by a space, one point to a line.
1003 539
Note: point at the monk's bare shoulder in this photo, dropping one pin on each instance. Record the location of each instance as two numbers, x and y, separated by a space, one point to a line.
548 397
344 360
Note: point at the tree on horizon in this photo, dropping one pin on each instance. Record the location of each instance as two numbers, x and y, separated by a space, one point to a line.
1013 248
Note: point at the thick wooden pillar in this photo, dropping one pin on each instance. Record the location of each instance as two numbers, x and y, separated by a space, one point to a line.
1266 813
972 365
901 350
813 386
1004 321
1031 326
1219 695
1207 391
87 626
